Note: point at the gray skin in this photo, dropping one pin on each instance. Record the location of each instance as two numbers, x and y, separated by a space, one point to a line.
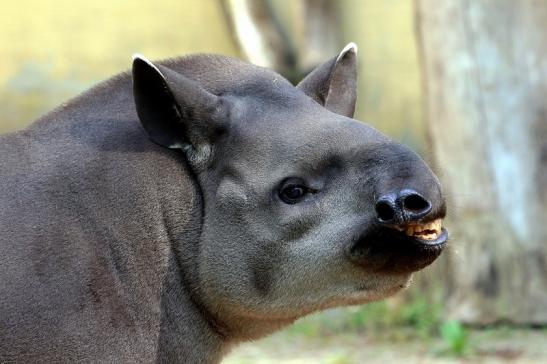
148 219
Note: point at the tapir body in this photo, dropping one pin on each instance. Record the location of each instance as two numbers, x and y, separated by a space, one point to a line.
168 214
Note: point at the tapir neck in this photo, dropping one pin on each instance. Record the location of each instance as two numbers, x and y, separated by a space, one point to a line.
186 333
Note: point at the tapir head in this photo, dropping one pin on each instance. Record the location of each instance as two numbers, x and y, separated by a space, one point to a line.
304 207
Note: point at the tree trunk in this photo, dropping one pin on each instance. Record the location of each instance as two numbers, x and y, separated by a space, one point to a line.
259 34
485 71
293 48
317 32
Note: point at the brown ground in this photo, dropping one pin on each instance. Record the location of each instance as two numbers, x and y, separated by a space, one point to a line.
500 345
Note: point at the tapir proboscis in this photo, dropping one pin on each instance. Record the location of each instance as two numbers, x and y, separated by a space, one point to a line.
171 212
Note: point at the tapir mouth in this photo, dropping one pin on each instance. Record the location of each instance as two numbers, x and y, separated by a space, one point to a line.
428 232
401 248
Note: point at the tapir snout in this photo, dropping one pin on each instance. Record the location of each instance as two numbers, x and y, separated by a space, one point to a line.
406 231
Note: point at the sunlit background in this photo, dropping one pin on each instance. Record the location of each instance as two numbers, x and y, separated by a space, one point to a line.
464 83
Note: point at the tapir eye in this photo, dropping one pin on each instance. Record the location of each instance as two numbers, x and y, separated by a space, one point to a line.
292 192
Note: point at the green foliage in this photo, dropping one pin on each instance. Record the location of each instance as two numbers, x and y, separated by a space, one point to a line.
374 316
416 317
418 314
456 337
421 315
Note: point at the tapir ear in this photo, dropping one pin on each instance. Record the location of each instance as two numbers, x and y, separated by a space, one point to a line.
175 111
334 83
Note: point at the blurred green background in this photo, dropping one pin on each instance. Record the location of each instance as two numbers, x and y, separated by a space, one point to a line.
50 51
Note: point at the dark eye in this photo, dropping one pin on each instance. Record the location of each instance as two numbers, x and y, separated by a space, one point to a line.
293 193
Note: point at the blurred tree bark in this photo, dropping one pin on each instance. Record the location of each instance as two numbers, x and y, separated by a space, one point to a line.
259 34
292 51
485 70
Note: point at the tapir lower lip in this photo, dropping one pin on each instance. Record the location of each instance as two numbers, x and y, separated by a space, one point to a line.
392 252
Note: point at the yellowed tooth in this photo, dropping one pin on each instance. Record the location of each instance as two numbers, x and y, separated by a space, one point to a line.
410 231
427 231
434 225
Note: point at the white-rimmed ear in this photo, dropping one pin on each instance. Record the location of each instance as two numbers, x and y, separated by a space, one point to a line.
334 83
175 111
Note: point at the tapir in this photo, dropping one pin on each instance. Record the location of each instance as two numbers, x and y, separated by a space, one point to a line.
176 210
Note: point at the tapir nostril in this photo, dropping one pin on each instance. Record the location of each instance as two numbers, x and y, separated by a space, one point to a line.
385 211
416 203
402 206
